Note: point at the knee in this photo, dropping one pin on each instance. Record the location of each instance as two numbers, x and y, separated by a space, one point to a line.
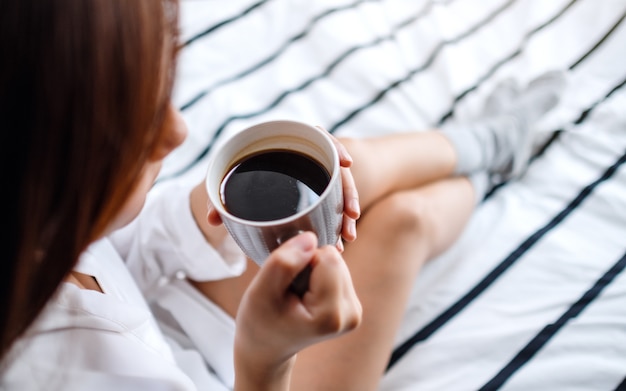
403 215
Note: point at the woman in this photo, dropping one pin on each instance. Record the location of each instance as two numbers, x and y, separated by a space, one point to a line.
85 94
86 87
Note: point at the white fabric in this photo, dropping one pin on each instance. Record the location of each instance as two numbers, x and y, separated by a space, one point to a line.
163 243
113 341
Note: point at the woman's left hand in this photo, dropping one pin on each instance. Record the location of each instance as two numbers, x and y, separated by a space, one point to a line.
351 206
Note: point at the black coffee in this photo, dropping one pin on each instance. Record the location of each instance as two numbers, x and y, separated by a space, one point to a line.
273 185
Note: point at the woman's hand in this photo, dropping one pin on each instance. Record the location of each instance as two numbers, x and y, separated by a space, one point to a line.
351 208
274 324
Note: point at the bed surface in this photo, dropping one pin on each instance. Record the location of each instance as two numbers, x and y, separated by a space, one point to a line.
533 295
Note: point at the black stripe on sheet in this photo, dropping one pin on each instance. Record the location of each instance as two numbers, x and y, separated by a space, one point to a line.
621 386
274 55
581 118
422 67
585 113
223 23
502 62
342 57
544 336
599 43
325 73
494 274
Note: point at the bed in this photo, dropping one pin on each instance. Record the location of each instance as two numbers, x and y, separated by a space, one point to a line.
533 294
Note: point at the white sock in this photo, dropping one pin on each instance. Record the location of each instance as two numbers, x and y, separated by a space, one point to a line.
501 143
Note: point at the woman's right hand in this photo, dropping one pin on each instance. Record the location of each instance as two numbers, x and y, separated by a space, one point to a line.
273 324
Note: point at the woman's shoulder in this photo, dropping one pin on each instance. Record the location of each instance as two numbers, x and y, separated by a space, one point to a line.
84 335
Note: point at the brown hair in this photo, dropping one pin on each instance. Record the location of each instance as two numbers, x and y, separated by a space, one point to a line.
84 85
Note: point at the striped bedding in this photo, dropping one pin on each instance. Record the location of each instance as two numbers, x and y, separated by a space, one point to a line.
533 295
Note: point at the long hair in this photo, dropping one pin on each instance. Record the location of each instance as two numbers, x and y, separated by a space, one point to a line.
84 86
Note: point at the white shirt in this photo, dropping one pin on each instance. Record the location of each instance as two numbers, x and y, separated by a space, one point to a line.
150 330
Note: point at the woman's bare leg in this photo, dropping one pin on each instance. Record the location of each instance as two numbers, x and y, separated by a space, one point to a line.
399 161
396 237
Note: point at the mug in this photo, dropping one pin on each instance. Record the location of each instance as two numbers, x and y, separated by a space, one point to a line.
274 180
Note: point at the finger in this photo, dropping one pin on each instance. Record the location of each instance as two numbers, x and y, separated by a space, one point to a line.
213 216
348 229
333 300
339 245
288 260
325 282
350 195
345 160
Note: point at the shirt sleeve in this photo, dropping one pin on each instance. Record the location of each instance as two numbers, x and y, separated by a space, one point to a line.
192 324
107 362
164 242
162 247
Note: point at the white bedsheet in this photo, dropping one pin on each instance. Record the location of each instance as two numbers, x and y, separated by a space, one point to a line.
532 297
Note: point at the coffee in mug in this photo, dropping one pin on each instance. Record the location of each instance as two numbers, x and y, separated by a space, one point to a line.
273 185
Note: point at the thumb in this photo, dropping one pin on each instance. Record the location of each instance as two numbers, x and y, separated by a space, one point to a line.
284 263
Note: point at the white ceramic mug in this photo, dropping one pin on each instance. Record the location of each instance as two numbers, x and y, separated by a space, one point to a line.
258 239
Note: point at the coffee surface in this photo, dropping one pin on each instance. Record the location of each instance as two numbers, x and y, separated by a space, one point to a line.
273 185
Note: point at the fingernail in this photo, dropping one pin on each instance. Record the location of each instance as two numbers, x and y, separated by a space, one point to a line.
352 229
305 242
347 154
355 205
340 246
